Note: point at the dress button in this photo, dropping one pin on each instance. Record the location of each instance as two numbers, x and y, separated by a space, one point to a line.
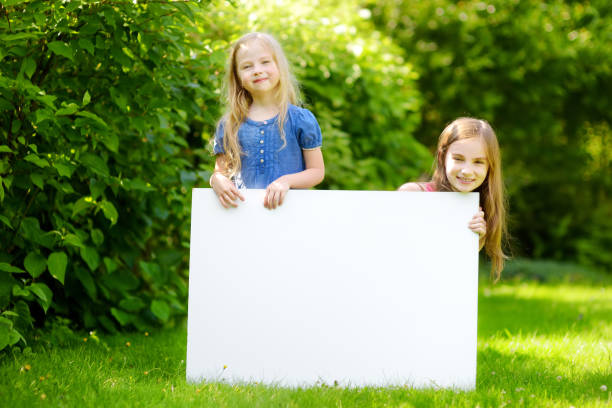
261 151
261 160
261 132
261 141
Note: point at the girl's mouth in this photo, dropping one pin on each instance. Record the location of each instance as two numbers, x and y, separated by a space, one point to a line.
465 181
260 80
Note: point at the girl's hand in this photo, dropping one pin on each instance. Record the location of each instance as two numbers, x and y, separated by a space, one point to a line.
479 225
226 190
275 193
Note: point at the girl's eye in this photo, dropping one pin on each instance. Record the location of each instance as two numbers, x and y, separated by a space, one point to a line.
459 159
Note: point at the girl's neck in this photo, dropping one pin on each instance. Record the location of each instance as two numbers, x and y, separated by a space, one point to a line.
263 108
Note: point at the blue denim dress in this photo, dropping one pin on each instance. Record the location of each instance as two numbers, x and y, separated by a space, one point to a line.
265 159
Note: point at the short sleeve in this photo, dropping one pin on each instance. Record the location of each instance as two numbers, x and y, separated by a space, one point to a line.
308 130
218 143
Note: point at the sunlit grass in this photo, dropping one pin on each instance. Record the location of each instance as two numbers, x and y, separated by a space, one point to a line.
538 345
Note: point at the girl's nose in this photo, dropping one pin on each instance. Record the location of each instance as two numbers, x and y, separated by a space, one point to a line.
466 171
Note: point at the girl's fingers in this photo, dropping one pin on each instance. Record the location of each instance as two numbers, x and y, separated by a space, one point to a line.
222 201
282 198
237 193
267 199
228 201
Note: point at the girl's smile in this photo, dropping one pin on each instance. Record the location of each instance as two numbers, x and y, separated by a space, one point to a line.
466 164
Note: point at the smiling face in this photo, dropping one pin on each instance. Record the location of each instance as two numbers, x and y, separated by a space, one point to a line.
466 164
256 68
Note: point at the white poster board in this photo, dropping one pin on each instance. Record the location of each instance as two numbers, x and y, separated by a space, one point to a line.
354 287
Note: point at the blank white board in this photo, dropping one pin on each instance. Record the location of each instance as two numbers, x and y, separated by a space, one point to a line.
354 287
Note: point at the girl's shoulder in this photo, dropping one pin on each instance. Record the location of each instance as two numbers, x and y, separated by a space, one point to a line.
299 114
418 186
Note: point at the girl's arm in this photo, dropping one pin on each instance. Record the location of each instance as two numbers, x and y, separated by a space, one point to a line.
410 187
224 188
313 175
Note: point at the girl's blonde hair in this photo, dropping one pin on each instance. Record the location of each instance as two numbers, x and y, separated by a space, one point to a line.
239 100
492 198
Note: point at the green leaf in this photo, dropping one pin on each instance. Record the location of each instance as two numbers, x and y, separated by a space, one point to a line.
43 293
107 323
35 264
109 211
87 45
86 98
5 105
96 188
5 149
132 304
87 281
111 266
49 239
91 257
28 66
160 309
37 179
57 263
6 287
122 317
6 220
6 327
43 114
111 141
6 267
22 292
92 116
61 48
97 236
69 109
138 184
33 158
73 240
81 205
64 169
95 163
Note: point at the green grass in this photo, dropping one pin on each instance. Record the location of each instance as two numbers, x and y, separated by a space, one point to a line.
538 345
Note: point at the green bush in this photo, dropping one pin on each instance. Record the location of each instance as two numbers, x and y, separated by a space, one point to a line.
540 73
96 102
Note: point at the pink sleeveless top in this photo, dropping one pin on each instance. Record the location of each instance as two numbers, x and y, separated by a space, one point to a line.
430 186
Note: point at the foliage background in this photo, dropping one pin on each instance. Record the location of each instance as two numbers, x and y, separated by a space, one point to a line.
108 107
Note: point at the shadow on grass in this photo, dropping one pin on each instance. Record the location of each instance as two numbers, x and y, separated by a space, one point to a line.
506 313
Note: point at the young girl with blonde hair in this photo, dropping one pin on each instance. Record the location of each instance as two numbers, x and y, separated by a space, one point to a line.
468 159
265 140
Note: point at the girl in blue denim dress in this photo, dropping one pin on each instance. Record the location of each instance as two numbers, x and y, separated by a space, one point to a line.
265 140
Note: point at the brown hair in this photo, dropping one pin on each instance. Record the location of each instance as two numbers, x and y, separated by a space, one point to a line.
239 100
492 198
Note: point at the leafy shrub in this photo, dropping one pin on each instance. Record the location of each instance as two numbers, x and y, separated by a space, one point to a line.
539 71
96 101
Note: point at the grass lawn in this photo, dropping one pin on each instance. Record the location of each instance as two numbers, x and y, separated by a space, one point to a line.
538 345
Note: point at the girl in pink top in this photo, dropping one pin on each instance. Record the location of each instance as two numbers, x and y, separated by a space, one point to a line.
468 159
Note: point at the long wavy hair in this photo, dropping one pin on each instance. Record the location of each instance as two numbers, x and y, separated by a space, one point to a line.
492 197
239 100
